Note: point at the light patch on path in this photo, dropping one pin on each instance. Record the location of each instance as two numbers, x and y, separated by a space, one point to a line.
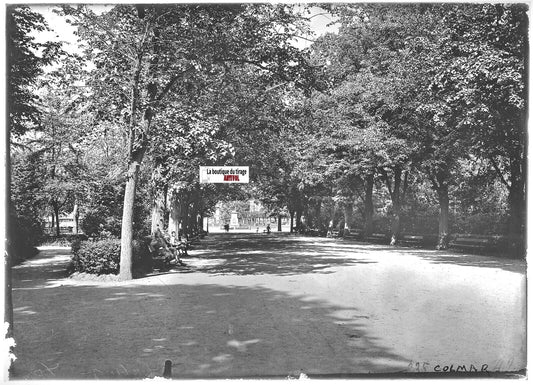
241 346
51 260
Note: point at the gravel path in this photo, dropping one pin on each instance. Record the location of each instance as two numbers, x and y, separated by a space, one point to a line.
257 305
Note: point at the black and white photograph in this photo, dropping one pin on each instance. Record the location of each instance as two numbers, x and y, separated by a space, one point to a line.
265 191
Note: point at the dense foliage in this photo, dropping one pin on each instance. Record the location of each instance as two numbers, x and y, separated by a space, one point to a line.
424 110
408 119
98 257
103 256
25 61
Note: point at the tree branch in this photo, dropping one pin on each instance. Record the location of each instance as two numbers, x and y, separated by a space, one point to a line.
171 83
386 179
433 180
359 193
500 174
405 185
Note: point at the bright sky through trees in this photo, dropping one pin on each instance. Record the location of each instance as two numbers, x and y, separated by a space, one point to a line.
62 31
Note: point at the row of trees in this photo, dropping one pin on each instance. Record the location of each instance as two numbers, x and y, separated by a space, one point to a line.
418 103
406 108
170 87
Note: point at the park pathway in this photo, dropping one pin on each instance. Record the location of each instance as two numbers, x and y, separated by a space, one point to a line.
258 305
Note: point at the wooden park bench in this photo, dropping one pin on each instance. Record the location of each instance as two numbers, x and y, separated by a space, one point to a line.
378 238
315 232
416 240
419 240
353 235
474 242
332 234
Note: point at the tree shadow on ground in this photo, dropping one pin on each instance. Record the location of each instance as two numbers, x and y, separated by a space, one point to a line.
245 254
515 266
450 257
73 330
68 329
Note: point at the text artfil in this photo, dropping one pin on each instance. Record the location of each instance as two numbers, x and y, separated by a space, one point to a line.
224 174
231 175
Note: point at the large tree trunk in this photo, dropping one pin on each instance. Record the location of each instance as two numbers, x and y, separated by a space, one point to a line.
396 206
279 222
318 223
174 212
518 173
159 205
515 184
517 208
516 199
157 218
397 197
395 227
201 222
75 217
137 145
137 148
439 182
369 205
185 206
126 235
8 254
200 211
444 216
331 223
292 222
55 208
348 217
331 220
298 219
195 214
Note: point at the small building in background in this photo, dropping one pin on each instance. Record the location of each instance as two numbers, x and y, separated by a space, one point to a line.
66 224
